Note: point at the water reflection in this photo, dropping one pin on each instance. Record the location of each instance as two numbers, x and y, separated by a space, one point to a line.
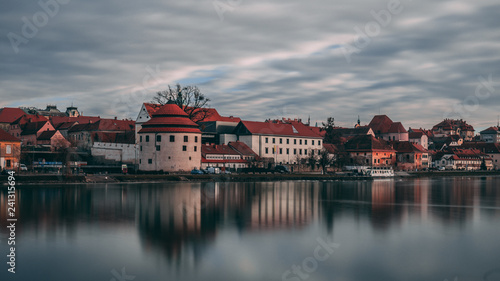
182 221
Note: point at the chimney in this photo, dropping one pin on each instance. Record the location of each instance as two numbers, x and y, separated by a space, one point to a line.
115 117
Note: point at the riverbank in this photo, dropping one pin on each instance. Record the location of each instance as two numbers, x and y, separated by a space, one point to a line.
119 178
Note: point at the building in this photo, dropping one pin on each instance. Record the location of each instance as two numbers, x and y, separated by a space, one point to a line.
463 159
223 156
169 141
53 139
492 134
410 156
10 151
385 128
450 127
9 115
280 141
368 150
84 135
114 148
245 151
488 148
31 131
418 136
218 129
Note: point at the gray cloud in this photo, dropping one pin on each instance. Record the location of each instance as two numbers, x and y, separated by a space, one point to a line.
265 59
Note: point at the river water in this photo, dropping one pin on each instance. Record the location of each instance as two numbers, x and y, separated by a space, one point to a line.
416 229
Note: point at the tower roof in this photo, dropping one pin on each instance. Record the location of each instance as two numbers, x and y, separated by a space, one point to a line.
170 118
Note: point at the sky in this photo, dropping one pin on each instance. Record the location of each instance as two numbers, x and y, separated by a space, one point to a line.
416 61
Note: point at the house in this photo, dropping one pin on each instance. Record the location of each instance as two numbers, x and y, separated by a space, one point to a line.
368 150
463 159
279 141
488 148
221 155
441 143
19 124
31 131
218 129
410 156
492 134
114 147
9 115
244 150
169 141
53 139
83 135
418 136
450 127
10 151
385 128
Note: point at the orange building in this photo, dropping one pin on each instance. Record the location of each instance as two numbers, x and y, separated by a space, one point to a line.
10 151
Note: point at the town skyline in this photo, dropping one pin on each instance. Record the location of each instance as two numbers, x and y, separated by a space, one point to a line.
411 61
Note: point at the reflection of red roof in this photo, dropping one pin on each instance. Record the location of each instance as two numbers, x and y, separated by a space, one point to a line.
4 136
218 149
10 114
297 129
242 148
170 118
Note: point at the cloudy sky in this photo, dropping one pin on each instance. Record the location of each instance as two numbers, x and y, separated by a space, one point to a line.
416 61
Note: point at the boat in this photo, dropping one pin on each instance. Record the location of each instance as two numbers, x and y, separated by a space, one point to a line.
378 172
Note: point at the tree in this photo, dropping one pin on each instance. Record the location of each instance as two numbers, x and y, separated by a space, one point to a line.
189 98
312 161
483 165
325 160
331 135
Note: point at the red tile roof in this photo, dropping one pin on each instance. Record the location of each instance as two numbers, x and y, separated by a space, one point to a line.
46 135
380 124
152 107
491 130
451 124
80 119
10 114
331 148
407 147
33 128
397 127
367 143
218 149
4 136
29 118
296 129
242 148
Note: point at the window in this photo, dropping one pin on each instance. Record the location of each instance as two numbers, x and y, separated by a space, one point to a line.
158 138
172 138
150 161
157 148
140 161
195 148
312 151
294 141
147 138
312 142
274 140
295 151
300 142
141 147
267 150
281 140
8 163
267 140
274 150
287 151
195 139
281 150
319 142
184 148
287 141
300 151
140 138
8 149
305 151
305 142
185 138
189 158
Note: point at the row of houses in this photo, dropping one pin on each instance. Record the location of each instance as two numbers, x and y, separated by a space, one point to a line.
164 138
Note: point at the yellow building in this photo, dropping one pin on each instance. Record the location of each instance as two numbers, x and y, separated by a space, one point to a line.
10 151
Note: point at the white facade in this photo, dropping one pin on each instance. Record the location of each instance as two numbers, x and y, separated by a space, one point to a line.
284 149
120 152
169 151
423 141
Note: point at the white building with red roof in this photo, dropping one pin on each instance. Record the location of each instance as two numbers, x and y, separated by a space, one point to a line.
221 155
284 140
385 128
169 141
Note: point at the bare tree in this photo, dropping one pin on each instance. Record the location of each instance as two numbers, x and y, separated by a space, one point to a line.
189 98
325 159
312 161
331 135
